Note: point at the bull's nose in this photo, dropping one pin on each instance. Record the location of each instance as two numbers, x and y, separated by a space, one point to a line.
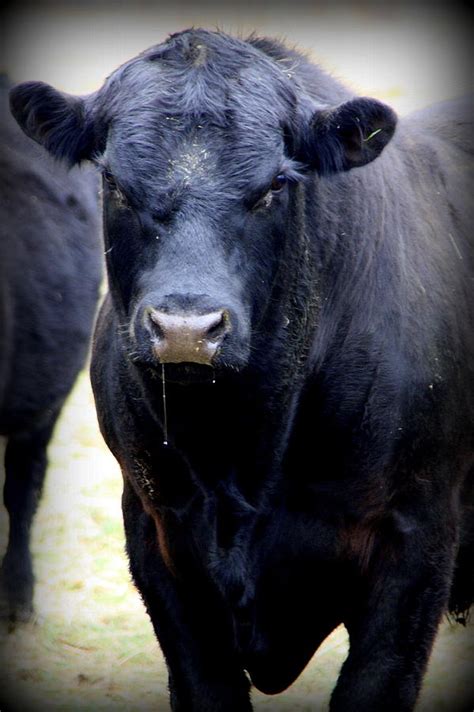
191 338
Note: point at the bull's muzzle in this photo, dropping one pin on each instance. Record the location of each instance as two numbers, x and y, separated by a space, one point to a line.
183 337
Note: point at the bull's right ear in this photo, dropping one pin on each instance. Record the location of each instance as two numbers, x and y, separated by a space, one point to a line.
349 135
53 119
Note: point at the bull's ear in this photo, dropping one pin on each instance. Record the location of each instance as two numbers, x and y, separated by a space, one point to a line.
55 120
350 135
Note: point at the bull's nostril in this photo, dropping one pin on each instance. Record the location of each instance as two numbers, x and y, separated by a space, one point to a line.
217 330
152 322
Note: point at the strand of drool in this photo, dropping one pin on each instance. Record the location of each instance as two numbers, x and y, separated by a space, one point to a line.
165 412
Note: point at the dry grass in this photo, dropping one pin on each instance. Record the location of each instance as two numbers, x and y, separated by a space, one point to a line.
92 647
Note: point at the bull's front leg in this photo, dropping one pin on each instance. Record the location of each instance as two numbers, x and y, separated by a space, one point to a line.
190 622
393 621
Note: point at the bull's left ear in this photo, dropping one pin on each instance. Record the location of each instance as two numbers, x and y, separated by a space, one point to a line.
350 135
60 122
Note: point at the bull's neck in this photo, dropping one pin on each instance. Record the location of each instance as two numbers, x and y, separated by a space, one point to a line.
233 428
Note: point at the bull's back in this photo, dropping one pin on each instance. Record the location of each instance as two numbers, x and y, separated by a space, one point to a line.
440 141
451 120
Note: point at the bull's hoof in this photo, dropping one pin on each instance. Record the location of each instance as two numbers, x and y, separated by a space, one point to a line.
12 617
15 608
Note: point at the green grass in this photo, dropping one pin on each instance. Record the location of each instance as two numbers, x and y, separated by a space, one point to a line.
92 646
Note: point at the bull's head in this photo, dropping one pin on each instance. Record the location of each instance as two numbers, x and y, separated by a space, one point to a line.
202 142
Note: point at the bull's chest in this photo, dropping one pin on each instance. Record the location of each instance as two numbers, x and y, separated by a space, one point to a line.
231 538
233 542
261 562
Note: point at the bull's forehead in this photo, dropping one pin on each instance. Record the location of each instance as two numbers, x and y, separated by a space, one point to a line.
198 79
194 160
161 166
201 112
214 83
154 149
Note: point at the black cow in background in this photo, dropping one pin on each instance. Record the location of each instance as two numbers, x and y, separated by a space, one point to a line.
284 365
50 270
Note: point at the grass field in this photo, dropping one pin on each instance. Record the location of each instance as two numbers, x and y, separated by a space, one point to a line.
92 646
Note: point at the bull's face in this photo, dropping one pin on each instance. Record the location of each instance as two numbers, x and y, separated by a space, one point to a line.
202 142
194 234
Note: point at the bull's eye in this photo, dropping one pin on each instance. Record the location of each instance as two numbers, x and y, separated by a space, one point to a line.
115 191
110 180
276 186
278 183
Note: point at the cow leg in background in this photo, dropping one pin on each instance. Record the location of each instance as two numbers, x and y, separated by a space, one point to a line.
25 468
196 640
393 626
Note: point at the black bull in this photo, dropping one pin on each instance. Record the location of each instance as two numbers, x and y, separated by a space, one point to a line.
284 364
50 274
